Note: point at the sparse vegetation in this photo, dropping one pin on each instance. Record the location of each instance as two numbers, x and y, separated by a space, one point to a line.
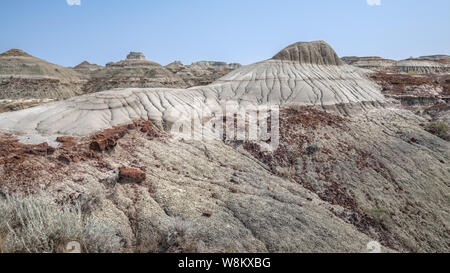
287 172
36 224
439 129
180 237
378 215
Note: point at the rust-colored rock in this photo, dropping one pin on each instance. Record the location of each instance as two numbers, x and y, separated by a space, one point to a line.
107 140
65 159
65 139
128 175
207 214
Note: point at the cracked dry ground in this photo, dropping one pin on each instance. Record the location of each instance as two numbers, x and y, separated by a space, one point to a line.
334 184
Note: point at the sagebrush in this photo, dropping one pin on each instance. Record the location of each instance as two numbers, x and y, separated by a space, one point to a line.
36 224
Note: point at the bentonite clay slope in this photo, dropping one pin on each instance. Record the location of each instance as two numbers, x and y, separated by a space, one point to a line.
336 184
25 76
274 82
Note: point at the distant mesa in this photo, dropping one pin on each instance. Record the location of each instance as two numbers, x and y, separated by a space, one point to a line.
136 56
437 58
435 64
317 52
368 60
133 59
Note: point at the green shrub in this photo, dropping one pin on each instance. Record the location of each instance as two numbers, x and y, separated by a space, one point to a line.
439 129
378 215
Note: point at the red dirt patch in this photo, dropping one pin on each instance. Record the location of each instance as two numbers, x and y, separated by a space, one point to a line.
23 166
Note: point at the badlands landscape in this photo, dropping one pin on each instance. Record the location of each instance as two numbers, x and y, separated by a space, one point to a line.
359 153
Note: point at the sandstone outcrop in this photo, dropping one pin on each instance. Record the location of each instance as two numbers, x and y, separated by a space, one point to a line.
422 65
437 58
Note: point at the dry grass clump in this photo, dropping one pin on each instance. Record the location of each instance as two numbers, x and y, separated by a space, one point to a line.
439 129
179 237
36 224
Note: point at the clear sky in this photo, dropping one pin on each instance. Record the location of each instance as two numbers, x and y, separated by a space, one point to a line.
67 32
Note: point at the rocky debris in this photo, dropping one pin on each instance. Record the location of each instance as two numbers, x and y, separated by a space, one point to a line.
11 150
65 139
318 52
128 175
67 159
21 161
207 214
107 140
416 92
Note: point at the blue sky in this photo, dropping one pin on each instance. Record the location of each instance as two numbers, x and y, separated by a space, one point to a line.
242 31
